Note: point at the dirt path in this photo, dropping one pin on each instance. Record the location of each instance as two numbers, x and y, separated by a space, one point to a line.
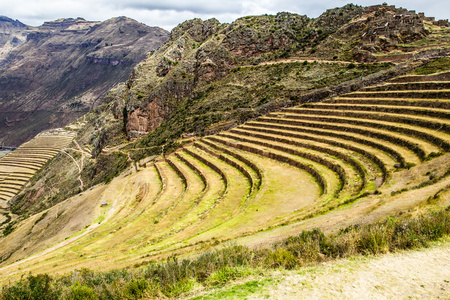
419 274
299 59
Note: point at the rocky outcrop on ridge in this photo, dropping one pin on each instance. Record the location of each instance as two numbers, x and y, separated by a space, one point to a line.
200 53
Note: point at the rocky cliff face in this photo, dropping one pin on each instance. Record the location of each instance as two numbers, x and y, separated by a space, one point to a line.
52 74
201 53
12 33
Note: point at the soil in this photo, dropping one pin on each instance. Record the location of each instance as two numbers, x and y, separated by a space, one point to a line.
416 274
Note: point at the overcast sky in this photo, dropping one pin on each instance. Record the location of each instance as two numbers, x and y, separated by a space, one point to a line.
169 13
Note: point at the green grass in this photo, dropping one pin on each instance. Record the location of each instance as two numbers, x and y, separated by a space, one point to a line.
438 65
100 219
239 291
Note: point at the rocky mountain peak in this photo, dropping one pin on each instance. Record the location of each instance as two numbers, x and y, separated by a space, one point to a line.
198 29
120 19
14 23
200 53
67 23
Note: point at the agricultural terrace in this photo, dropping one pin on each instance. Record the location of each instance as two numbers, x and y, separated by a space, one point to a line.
359 154
18 166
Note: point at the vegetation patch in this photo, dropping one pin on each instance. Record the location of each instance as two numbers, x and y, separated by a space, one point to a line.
8 229
238 291
41 218
438 65
7 220
176 277
106 167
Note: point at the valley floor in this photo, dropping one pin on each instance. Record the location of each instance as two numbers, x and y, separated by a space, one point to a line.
417 274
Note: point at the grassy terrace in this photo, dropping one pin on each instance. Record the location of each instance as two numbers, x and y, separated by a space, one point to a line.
351 159
18 166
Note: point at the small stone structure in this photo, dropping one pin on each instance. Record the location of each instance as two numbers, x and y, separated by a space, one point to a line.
393 23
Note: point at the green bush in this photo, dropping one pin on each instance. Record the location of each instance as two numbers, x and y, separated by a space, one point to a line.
281 257
438 65
8 229
81 292
135 288
374 240
16 291
37 287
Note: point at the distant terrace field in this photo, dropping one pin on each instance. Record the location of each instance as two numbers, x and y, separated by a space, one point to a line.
18 166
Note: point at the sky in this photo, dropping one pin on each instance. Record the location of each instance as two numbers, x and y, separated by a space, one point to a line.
168 13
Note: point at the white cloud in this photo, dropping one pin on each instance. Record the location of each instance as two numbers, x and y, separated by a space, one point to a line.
169 13
196 6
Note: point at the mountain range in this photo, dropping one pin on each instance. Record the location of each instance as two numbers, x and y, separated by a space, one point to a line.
52 74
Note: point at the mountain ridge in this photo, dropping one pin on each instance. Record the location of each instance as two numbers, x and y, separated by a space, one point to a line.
56 72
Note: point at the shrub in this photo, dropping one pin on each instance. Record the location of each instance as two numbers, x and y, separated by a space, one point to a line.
8 229
18 291
409 165
135 288
374 240
41 217
37 287
81 292
281 257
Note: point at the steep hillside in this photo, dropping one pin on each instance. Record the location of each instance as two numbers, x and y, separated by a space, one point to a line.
250 132
353 159
18 166
198 83
200 57
12 34
52 74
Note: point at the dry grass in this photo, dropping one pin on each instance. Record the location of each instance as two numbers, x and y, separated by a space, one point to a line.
176 277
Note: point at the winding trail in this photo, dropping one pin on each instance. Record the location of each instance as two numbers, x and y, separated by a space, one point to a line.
80 168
